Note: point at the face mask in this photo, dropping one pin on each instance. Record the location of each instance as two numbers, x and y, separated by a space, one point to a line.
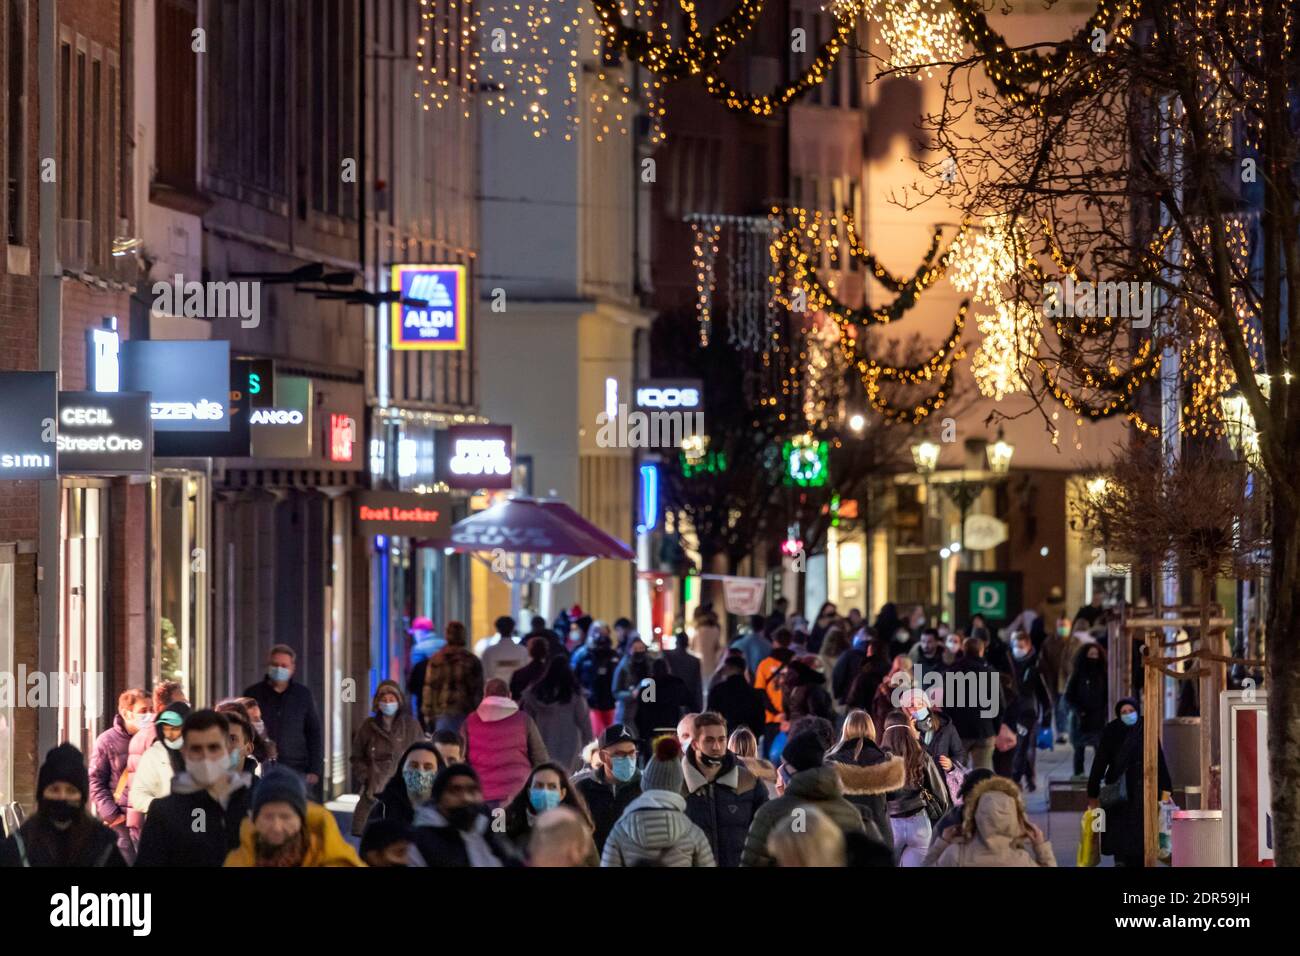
58 811
954 647
542 799
237 759
419 784
1018 653
260 727
207 772
1130 718
710 761
624 768
922 714
388 708
463 818
278 673
174 744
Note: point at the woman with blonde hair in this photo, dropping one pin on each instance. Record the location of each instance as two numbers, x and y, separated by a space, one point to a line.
867 774
818 842
744 745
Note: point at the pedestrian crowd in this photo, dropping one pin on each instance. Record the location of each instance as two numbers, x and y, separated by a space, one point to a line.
835 743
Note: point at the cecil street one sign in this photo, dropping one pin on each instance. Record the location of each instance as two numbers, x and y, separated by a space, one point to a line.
105 433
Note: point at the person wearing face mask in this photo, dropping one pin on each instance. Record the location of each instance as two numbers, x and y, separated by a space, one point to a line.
285 829
952 646
410 786
292 719
61 832
212 788
164 693
241 734
1087 693
1116 784
594 667
631 671
609 788
939 737
376 744
547 787
1030 703
722 795
453 828
264 751
161 762
109 779
928 651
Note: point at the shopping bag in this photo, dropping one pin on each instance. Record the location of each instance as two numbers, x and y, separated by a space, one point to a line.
1089 853
1165 847
1045 739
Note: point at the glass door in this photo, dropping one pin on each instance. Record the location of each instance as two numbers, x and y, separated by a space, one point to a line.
77 690
180 581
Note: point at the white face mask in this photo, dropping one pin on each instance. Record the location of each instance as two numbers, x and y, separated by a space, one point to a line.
207 772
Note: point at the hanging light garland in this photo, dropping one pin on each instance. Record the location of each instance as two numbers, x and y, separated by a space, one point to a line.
1012 335
705 247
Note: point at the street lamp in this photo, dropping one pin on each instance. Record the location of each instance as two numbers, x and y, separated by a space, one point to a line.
999 455
857 421
926 457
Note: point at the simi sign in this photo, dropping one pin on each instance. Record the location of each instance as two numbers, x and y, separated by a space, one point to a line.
442 323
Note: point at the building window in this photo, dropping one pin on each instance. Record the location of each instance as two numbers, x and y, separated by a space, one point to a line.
246 95
16 121
175 90
65 139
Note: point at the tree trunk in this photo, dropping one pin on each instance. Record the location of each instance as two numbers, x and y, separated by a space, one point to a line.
1283 652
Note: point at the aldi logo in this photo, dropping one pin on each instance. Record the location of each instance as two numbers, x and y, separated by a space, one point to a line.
442 320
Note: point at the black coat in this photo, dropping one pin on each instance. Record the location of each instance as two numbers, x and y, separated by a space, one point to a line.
944 740
606 800
686 666
524 678
1032 700
1086 693
672 700
1120 754
293 722
90 844
444 846
594 667
868 774
725 807
845 669
170 838
739 704
972 675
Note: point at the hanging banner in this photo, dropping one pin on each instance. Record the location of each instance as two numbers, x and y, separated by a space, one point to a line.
743 596
443 321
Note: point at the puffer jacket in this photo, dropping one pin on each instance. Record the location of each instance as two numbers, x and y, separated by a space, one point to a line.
453 684
867 774
724 807
502 744
991 833
107 765
655 831
376 747
325 846
818 787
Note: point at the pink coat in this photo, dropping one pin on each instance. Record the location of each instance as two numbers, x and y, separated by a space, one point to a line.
503 745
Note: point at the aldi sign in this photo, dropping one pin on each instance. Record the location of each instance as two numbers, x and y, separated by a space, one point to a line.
442 323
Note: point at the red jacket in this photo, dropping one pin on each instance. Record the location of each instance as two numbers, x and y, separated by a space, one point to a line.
503 745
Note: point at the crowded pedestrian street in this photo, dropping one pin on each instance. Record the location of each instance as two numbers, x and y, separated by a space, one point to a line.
648 435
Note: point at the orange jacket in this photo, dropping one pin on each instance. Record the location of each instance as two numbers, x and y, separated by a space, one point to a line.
764 681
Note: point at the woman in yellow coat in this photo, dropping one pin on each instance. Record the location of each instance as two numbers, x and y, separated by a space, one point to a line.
286 830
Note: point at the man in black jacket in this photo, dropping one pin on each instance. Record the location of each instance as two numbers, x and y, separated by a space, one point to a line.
614 784
210 792
1025 712
739 703
292 721
722 795
453 828
973 699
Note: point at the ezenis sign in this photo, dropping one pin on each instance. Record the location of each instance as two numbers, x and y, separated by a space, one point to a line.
189 382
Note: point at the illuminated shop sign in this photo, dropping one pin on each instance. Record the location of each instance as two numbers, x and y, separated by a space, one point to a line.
404 513
189 382
443 321
102 365
229 444
477 456
670 394
105 433
28 430
284 429
342 436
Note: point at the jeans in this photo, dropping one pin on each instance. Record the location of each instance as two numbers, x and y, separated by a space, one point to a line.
912 837
981 752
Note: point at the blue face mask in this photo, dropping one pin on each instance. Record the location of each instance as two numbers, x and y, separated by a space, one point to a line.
922 714
624 768
278 673
1130 718
542 799
388 708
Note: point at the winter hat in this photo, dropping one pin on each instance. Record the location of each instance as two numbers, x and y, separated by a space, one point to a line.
382 834
664 769
446 775
420 624
281 785
64 764
804 751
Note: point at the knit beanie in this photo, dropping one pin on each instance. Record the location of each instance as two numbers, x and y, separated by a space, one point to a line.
281 785
64 764
664 769
804 751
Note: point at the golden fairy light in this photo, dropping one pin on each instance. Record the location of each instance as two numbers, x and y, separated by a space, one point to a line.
985 260
918 33
1012 335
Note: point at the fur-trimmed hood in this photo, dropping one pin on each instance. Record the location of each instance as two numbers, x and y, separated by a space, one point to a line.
1000 817
871 779
764 770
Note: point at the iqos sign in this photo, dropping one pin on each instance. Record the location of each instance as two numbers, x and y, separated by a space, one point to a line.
663 394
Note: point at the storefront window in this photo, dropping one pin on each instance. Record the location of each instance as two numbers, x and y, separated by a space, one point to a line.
180 509
80 680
